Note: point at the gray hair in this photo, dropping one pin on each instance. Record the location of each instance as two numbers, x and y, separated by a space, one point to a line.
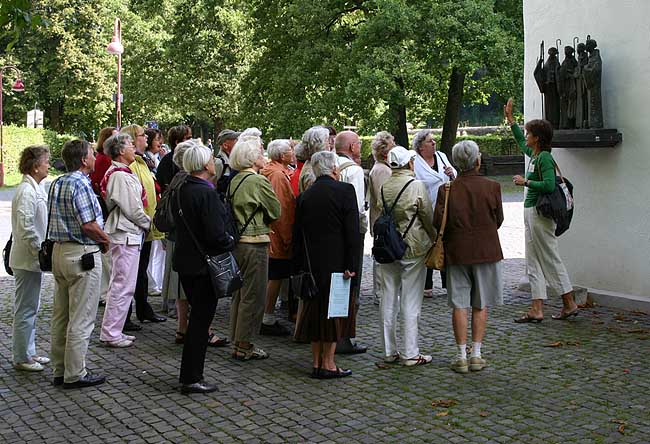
316 139
323 163
301 152
196 157
250 132
245 153
179 152
277 148
381 145
114 145
465 154
419 138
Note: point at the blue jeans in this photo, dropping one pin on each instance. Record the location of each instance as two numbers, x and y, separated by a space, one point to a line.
28 296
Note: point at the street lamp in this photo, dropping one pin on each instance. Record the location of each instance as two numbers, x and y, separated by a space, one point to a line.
18 86
116 48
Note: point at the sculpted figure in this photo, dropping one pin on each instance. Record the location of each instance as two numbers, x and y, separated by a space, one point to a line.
568 89
582 105
593 73
547 76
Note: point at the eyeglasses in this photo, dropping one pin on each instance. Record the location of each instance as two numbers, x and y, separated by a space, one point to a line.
140 135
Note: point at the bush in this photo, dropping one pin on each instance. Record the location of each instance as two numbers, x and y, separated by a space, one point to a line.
17 138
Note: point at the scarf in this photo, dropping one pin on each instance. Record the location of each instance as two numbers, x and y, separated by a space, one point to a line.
431 178
104 183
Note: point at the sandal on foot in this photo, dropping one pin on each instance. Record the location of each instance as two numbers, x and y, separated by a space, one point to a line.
180 338
564 316
216 341
525 319
333 374
247 354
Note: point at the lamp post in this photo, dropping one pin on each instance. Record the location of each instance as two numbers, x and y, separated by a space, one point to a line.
116 48
18 86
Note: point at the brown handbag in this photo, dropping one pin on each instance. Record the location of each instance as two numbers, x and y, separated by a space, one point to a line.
436 255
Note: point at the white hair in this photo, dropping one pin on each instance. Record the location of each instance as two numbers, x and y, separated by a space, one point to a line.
250 132
316 139
301 152
196 158
179 152
277 148
323 163
419 138
465 154
245 153
381 145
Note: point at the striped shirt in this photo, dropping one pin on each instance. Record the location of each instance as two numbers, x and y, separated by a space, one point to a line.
72 203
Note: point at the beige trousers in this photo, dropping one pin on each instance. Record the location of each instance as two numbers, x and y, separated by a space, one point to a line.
76 295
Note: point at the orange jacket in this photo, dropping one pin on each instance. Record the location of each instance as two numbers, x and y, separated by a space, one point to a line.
280 178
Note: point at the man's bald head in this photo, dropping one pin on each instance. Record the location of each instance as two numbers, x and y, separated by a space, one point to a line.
347 142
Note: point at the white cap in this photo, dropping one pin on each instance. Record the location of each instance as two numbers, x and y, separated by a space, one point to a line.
399 157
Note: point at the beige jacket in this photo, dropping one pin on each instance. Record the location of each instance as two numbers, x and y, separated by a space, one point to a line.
379 174
28 224
127 220
414 200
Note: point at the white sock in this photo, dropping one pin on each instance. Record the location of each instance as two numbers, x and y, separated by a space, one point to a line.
462 351
268 319
476 349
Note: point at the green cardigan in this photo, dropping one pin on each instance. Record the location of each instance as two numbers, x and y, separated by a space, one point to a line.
256 193
542 179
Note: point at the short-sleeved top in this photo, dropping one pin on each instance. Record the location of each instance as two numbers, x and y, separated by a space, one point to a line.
72 203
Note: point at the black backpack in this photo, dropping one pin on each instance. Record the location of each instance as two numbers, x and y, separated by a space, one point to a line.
389 245
163 218
229 218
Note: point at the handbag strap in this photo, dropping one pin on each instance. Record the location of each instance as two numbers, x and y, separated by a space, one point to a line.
557 167
180 213
444 213
390 211
230 196
49 206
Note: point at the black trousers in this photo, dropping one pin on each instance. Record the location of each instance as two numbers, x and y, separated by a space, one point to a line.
198 290
142 307
428 283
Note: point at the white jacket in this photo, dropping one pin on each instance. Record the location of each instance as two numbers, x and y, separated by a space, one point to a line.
433 179
353 174
127 220
28 224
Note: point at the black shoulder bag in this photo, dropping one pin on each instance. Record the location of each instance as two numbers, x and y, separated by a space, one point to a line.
303 284
5 255
224 272
47 246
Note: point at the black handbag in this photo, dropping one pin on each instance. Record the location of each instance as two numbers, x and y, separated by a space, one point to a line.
558 204
223 269
303 284
47 246
5 255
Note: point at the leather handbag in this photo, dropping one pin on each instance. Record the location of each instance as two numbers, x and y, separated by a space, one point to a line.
436 256
303 284
223 269
557 205
5 255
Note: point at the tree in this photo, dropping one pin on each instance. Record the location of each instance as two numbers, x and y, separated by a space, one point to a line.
16 16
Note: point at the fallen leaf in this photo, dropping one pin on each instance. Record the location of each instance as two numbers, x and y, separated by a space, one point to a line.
248 402
382 366
483 414
553 344
618 421
445 413
621 429
446 403
588 304
573 343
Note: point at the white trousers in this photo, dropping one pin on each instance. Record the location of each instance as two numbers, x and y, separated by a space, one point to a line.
402 287
543 261
107 264
156 267
28 296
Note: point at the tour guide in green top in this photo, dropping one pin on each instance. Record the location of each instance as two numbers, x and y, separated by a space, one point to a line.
543 262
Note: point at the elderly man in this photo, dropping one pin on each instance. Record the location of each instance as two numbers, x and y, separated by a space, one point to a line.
348 149
225 142
76 228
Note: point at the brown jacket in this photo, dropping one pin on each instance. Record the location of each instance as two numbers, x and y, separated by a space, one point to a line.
280 178
474 215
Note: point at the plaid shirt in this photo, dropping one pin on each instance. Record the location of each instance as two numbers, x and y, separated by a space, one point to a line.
72 203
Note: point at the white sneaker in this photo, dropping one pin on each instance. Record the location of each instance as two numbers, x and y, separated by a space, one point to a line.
128 337
27 367
418 360
476 364
459 365
120 343
392 358
43 360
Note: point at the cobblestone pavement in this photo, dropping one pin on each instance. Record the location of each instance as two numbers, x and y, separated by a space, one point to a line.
585 380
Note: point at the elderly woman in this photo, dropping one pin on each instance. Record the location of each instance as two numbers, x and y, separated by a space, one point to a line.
143 310
379 173
203 216
278 173
327 221
301 158
28 225
255 207
473 252
315 139
543 262
154 146
434 169
126 226
402 281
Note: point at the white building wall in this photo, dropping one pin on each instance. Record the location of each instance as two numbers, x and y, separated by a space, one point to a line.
608 245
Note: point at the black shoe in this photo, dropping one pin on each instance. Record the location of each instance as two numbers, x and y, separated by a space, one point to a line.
198 387
102 303
131 326
347 347
87 381
332 374
315 372
57 380
153 318
274 330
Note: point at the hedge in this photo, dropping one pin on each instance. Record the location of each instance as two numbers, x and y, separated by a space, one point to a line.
493 145
16 138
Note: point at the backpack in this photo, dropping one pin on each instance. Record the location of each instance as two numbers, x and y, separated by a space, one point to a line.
163 218
229 217
389 245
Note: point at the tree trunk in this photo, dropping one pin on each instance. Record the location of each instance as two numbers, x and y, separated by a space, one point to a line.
55 117
218 127
398 111
452 111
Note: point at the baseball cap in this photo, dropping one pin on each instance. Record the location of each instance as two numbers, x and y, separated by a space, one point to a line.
399 157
